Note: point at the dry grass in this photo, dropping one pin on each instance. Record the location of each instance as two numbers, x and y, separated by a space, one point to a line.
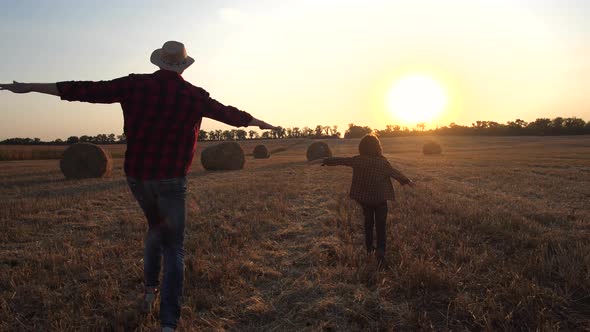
495 236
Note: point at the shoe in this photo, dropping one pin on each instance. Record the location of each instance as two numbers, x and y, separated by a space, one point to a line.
149 298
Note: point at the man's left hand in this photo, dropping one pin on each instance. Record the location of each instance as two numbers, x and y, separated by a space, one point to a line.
262 125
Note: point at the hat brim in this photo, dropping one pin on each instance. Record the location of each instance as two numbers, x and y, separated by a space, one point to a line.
156 59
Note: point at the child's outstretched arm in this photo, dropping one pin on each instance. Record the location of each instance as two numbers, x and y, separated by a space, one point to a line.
400 177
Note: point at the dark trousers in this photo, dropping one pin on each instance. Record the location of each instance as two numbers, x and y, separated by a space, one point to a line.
375 216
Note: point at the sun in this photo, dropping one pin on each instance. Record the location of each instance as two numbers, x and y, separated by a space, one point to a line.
417 98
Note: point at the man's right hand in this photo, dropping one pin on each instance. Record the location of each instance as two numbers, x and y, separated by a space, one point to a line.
16 87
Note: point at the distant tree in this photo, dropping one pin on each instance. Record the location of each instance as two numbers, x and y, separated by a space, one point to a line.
480 125
72 140
111 138
495 128
101 139
241 134
26 140
202 135
355 131
540 126
279 132
122 138
307 132
266 134
318 131
252 134
296 132
574 126
389 131
227 135
516 125
421 126
557 124
334 131
85 138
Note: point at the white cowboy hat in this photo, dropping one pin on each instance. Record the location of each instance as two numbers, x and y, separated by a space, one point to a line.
172 56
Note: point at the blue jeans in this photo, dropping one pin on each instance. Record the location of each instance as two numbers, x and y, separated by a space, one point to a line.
163 203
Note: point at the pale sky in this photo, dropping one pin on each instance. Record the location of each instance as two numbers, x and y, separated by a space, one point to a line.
302 63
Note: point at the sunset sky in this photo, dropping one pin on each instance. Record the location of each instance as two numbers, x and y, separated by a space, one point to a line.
303 63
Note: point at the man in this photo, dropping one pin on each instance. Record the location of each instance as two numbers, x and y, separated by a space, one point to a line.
162 115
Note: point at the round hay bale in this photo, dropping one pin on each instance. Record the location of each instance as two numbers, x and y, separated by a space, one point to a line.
261 152
318 150
84 161
431 147
226 156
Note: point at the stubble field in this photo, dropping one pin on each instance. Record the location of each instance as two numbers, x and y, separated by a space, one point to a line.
495 236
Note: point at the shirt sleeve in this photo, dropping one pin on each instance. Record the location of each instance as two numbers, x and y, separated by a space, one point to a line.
335 161
397 175
104 92
226 114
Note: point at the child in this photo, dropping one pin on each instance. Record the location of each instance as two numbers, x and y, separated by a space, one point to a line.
371 188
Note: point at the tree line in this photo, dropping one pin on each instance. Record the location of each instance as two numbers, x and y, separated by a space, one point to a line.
518 127
295 132
98 139
214 135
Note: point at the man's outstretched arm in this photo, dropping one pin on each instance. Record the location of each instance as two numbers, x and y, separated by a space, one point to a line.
232 116
104 92
17 87
261 124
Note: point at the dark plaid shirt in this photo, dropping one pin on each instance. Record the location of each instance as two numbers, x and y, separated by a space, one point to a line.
162 114
371 182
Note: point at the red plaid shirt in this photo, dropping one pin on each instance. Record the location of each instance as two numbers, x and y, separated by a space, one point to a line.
162 114
371 182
